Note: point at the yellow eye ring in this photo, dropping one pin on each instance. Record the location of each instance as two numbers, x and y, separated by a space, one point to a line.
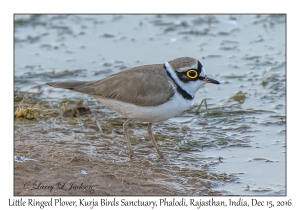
192 73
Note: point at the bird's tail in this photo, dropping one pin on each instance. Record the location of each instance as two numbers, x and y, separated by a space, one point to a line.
70 85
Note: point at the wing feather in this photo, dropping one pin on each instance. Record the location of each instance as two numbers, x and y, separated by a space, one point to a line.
144 86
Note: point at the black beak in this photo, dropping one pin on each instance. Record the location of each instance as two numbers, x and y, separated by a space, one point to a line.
210 80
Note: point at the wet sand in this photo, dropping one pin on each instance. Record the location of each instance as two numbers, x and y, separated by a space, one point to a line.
59 160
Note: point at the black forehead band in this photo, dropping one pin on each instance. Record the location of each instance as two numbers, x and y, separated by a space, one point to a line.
199 67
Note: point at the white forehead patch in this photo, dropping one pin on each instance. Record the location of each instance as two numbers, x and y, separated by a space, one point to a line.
203 73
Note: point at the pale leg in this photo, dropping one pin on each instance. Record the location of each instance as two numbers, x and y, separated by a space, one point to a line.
125 126
153 140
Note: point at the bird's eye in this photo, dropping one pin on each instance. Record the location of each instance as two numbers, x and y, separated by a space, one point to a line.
192 74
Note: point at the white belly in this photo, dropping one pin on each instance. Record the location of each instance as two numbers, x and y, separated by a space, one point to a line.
175 106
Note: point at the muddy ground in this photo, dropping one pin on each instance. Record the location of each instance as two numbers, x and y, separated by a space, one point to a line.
61 165
59 151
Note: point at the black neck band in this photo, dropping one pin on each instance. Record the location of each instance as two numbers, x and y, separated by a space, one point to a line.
182 92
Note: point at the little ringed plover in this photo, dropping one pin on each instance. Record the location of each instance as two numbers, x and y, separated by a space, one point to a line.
150 93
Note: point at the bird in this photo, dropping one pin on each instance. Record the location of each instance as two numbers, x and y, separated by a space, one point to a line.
149 93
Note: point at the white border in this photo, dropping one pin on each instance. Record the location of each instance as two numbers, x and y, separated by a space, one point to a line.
8 8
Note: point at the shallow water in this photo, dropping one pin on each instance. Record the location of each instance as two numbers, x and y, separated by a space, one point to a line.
244 141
